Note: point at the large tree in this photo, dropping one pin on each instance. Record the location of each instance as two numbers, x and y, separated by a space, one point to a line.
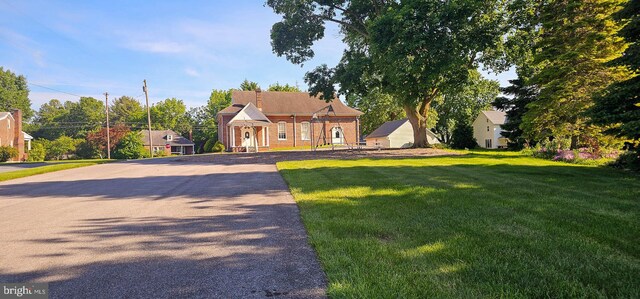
514 102
170 114
459 106
86 115
14 93
286 87
619 106
377 107
249 85
126 110
412 50
577 38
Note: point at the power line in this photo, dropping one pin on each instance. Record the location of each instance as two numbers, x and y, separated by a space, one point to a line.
60 91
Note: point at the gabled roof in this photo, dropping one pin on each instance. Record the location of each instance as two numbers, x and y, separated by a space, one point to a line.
287 103
160 138
248 116
387 128
3 115
26 136
496 117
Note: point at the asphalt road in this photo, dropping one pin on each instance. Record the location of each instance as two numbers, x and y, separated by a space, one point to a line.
164 228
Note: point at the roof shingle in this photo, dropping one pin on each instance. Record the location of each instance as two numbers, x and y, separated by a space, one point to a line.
286 103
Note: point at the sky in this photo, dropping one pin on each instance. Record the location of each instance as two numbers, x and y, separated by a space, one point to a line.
184 49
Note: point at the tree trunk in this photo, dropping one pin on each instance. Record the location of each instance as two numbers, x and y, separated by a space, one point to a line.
419 124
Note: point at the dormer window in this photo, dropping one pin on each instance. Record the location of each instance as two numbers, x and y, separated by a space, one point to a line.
169 137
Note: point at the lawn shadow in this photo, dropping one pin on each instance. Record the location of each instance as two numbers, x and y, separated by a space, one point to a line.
472 230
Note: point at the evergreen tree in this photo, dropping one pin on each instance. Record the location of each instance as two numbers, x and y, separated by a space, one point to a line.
577 37
619 106
515 107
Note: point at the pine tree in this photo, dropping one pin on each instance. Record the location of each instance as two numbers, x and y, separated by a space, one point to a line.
577 39
515 107
619 106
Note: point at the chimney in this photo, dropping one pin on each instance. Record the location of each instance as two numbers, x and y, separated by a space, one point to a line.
259 99
18 140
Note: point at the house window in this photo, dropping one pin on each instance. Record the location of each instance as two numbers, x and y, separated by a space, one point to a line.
282 131
488 143
169 137
304 131
487 128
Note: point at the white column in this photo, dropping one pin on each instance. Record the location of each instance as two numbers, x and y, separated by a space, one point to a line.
267 135
233 136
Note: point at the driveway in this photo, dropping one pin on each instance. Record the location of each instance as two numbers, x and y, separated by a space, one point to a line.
162 228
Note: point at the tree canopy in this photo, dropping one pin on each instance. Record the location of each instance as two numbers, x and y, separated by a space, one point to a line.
412 50
618 107
286 87
126 110
577 37
14 93
249 85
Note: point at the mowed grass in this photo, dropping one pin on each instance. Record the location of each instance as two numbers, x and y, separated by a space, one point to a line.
49 167
480 225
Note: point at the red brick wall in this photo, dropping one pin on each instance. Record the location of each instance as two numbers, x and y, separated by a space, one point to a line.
11 134
348 124
7 134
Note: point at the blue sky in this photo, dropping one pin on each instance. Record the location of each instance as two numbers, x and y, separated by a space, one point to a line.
184 49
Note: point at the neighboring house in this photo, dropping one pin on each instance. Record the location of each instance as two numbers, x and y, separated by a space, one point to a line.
396 134
261 120
167 141
11 132
486 129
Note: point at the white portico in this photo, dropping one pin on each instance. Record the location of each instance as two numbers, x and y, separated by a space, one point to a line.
248 130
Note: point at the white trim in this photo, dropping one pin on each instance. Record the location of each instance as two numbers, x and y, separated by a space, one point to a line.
308 124
284 123
267 135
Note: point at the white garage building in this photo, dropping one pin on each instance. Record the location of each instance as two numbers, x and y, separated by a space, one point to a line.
396 134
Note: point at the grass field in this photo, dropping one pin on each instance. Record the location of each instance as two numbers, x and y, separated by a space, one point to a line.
50 166
485 224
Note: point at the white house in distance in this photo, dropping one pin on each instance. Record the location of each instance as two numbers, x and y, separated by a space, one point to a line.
486 129
395 134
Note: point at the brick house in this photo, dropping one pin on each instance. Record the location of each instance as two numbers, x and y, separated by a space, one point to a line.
260 120
11 132
167 141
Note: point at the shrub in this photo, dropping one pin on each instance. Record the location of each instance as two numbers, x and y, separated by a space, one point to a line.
218 147
7 153
208 146
130 147
60 148
628 160
462 136
38 152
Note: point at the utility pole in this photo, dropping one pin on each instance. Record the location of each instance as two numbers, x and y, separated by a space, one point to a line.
106 106
146 95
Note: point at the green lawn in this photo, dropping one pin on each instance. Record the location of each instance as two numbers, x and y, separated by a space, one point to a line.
486 224
50 166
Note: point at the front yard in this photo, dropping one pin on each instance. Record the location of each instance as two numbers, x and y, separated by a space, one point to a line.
483 224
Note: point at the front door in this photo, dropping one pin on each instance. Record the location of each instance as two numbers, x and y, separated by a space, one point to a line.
247 136
337 136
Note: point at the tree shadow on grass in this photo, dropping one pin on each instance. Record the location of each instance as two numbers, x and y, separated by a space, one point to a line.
471 230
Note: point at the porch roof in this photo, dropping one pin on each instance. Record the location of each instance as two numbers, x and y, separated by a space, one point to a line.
250 115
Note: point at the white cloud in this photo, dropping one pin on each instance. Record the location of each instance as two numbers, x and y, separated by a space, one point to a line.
192 72
23 43
157 46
